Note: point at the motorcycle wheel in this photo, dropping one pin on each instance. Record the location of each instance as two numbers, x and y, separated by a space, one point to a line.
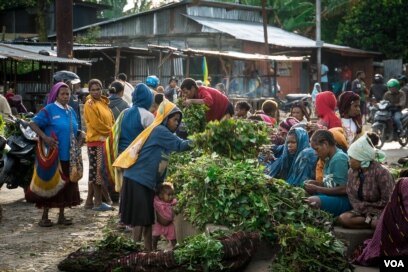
381 134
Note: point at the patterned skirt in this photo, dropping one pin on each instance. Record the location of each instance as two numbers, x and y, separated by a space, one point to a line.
95 155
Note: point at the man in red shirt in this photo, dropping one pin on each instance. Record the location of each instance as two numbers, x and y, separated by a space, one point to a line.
218 104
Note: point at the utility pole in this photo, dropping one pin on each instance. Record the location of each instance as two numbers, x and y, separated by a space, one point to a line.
265 28
319 43
64 28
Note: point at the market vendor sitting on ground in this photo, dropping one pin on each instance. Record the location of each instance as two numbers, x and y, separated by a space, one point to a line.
330 196
242 109
369 184
219 105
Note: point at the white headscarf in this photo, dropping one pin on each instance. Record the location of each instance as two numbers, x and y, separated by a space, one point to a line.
364 151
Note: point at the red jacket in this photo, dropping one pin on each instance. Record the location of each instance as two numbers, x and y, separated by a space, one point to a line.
215 101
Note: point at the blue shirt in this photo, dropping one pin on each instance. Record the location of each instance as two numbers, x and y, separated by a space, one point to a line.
149 170
53 118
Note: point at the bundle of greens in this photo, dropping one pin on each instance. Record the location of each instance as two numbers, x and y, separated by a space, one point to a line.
238 195
308 248
194 120
202 250
233 138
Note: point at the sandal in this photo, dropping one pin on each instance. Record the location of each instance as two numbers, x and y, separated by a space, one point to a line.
45 223
65 221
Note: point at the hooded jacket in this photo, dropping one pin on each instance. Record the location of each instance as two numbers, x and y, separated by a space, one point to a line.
325 109
150 167
137 117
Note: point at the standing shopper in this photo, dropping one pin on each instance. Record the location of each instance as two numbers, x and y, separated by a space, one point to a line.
145 163
53 125
99 121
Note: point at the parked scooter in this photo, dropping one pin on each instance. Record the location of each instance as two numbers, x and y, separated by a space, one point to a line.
384 126
19 155
291 99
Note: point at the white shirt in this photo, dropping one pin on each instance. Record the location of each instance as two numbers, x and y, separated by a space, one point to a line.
350 129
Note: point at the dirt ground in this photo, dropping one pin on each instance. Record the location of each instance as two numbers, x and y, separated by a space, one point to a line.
24 246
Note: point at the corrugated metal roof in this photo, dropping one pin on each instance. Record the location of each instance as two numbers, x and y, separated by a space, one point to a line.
250 31
227 54
276 36
242 56
15 52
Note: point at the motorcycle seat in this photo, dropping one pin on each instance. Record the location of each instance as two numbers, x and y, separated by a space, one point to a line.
293 97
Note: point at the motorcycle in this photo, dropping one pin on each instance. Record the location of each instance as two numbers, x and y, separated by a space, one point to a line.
292 99
19 155
383 124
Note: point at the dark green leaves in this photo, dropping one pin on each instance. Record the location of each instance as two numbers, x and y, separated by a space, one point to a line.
233 138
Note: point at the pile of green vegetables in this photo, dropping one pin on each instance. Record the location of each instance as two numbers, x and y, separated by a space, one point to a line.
202 250
221 182
305 248
237 194
233 138
193 117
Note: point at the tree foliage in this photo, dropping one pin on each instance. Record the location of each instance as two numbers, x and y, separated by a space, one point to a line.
377 25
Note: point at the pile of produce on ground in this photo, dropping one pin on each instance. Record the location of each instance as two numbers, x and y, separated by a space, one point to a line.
97 256
216 251
305 248
221 182
237 194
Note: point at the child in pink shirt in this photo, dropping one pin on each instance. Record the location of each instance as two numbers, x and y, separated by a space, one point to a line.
164 202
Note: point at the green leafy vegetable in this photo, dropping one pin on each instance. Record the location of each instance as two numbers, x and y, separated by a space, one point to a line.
233 138
202 251
306 248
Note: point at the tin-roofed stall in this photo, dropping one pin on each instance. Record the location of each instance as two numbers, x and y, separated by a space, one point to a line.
28 70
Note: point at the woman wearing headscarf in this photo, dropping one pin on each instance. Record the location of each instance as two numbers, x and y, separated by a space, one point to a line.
369 185
99 121
53 125
349 108
389 238
297 162
145 163
325 110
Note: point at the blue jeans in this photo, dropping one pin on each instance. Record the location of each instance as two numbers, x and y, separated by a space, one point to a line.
397 119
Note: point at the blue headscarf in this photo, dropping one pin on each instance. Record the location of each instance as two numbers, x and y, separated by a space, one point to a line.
282 167
142 96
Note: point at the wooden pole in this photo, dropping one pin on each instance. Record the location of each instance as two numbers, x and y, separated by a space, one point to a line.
117 61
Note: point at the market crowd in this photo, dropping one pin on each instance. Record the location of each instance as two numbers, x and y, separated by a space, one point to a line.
131 130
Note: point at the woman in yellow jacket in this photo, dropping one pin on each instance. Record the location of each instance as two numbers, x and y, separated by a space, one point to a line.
99 121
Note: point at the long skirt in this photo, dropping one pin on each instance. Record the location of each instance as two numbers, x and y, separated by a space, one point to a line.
95 156
136 204
67 197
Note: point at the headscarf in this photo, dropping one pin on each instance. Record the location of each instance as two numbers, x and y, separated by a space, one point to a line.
315 91
283 165
52 96
287 124
129 157
344 103
325 109
364 151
